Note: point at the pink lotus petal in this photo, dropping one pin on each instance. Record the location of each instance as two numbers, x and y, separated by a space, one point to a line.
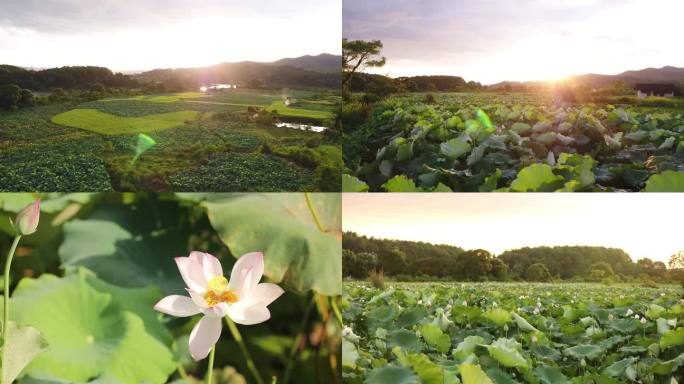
26 221
248 265
211 266
192 274
197 298
204 336
176 305
249 315
266 293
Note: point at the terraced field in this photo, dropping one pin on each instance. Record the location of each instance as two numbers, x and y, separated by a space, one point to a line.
202 141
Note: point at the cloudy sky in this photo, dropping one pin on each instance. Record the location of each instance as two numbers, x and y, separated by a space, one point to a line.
644 225
147 34
494 40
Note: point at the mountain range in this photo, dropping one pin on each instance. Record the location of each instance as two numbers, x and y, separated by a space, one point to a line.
666 74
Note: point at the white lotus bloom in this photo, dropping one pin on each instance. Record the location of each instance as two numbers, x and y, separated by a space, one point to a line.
242 298
629 312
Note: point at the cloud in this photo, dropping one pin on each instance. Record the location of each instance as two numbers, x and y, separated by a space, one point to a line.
493 40
146 34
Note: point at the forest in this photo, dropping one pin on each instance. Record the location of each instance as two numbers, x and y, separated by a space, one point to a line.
411 260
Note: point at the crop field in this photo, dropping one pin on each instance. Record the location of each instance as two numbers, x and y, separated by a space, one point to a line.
106 124
201 141
498 333
515 142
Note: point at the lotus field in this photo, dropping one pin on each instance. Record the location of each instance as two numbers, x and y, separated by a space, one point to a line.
483 333
184 289
515 142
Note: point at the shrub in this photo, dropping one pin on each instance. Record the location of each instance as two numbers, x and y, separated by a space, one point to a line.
377 279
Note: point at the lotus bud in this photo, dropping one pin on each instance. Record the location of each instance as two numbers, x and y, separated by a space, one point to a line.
26 221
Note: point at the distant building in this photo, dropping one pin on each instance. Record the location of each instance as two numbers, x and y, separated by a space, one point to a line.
662 90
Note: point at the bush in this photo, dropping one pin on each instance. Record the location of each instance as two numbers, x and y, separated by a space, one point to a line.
353 114
377 279
430 98
10 96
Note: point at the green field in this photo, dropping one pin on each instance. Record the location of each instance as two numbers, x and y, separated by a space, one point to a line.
106 124
484 142
205 142
493 333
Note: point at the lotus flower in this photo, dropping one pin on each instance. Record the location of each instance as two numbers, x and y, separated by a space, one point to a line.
27 219
242 298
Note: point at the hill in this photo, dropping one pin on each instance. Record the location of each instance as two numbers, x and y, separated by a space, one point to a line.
325 63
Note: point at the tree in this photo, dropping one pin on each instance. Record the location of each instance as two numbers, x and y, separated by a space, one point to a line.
57 95
474 265
10 96
357 55
538 272
97 88
676 260
499 270
26 98
600 270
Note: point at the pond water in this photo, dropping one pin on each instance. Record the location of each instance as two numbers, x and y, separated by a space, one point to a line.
214 87
303 127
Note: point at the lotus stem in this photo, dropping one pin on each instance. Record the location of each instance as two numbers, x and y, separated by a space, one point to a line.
245 353
6 305
210 370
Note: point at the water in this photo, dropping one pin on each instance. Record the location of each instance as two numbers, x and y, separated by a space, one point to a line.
214 87
303 127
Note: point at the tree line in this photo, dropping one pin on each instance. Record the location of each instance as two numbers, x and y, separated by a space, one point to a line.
412 260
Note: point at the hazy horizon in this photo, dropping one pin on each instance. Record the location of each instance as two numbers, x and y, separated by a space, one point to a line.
527 40
136 71
498 222
150 34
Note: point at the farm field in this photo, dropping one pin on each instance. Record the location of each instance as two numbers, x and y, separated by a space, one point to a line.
515 142
202 142
512 333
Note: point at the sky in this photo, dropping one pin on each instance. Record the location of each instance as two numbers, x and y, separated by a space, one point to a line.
518 40
147 34
643 225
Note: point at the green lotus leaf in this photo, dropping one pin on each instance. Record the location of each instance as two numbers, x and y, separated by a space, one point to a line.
473 374
507 352
390 374
672 338
25 343
668 181
90 333
536 178
584 351
404 339
523 325
400 183
299 234
550 375
455 148
467 346
353 184
349 354
619 367
133 249
434 337
499 376
498 316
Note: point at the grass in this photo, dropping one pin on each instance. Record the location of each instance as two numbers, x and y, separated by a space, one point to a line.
106 124
284 110
170 98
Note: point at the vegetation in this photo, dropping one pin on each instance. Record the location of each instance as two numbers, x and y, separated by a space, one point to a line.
419 261
488 333
106 124
513 142
214 141
88 279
